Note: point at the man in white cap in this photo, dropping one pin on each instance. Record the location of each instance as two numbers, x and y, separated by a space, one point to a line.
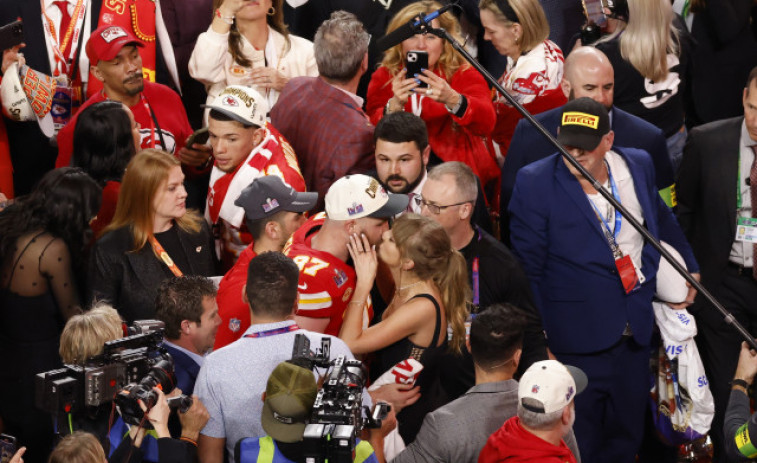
546 412
245 148
355 205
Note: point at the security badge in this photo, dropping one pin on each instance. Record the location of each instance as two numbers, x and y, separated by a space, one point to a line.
746 229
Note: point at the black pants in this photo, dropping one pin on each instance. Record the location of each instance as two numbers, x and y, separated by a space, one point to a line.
719 343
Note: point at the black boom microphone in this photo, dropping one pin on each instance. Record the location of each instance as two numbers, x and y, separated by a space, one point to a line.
410 28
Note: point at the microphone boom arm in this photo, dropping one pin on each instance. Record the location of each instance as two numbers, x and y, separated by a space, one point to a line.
728 317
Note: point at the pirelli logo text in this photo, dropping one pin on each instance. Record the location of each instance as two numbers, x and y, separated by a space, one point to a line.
576 118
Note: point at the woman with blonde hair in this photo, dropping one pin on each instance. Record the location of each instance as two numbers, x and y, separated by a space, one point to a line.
78 447
152 237
85 334
249 44
432 293
650 55
456 106
518 29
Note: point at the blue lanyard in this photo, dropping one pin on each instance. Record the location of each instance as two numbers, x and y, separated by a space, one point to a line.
616 195
273 332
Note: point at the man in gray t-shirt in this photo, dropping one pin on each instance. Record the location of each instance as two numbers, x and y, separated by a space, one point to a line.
232 380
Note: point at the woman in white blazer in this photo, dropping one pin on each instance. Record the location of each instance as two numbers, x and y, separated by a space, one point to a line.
248 44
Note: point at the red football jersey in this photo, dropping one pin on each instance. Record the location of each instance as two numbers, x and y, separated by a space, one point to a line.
326 282
234 313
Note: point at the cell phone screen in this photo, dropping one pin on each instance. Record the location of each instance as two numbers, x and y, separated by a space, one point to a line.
416 61
7 447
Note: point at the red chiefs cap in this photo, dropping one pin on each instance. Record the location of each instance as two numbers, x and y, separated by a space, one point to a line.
106 41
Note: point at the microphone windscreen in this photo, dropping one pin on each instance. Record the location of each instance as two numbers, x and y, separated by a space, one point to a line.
395 37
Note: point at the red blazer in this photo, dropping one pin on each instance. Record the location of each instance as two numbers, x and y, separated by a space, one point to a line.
452 138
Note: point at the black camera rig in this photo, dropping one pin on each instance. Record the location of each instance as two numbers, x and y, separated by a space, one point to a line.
337 418
126 371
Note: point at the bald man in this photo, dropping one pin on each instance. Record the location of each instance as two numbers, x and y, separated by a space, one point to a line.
588 73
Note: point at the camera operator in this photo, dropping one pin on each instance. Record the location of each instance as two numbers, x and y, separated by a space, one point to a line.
84 337
287 405
79 447
183 450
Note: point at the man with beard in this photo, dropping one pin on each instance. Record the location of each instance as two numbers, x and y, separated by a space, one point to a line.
588 73
116 62
402 155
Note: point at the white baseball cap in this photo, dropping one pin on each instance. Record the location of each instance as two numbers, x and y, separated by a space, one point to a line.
27 95
357 196
671 286
548 386
243 104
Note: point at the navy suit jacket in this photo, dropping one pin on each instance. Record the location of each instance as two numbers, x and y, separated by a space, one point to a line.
185 368
528 145
557 236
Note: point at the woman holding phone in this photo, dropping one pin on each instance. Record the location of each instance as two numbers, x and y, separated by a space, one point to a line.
450 96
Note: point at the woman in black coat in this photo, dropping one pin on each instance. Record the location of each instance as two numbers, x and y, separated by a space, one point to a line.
152 237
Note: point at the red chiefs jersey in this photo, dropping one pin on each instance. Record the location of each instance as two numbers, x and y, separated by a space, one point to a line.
326 282
234 313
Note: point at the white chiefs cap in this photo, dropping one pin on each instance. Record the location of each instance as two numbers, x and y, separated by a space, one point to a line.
27 95
357 196
548 386
243 104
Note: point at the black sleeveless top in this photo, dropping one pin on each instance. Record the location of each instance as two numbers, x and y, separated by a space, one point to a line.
411 418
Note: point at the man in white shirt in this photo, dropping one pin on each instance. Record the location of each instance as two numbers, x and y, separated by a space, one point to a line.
714 189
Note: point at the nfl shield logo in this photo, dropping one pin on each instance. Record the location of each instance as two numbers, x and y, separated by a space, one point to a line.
234 325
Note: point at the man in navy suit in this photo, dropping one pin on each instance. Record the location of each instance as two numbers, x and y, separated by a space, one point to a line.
588 73
592 274
187 305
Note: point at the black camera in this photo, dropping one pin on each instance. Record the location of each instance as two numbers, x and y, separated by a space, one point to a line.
126 371
337 417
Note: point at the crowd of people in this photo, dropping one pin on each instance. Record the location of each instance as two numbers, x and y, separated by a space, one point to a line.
241 174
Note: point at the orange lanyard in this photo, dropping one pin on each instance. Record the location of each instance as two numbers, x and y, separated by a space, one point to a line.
72 33
156 246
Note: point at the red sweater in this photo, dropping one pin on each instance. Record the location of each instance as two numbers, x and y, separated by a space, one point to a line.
165 104
234 312
512 443
451 138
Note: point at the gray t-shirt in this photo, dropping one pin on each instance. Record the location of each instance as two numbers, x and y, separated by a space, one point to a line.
232 379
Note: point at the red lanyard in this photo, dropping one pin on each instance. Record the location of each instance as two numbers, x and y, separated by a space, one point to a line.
152 122
164 256
71 36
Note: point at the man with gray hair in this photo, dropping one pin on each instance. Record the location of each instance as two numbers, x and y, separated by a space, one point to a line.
344 143
449 197
546 412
